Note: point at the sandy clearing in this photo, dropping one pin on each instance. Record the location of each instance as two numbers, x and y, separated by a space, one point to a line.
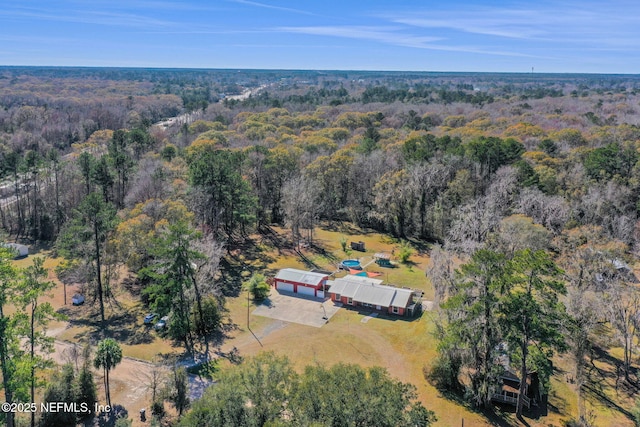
129 381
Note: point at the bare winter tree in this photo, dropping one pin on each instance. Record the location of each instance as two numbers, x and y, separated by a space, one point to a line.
300 197
611 206
550 211
394 203
364 173
502 191
518 232
595 269
475 220
623 303
471 227
208 265
441 273
583 307
150 182
427 180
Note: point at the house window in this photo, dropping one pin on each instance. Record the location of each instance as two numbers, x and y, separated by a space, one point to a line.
350 301
364 304
337 297
395 310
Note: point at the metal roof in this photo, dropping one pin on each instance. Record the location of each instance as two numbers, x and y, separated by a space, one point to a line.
375 295
301 276
620 265
343 287
361 279
371 292
402 298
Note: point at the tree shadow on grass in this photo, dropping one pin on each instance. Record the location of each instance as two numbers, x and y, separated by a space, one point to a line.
599 379
496 415
122 326
595 391
366 311
409 264
319 250
242 260
223 334
230 278
307 261
344 227
422 246
561 402
598 395
233 356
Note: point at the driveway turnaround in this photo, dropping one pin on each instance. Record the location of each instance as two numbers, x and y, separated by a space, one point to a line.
296 308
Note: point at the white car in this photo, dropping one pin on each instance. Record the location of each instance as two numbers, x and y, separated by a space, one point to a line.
77 299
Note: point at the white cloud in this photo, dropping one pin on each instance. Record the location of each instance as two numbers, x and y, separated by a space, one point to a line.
269 6
387 35
393 36
605 23
88 17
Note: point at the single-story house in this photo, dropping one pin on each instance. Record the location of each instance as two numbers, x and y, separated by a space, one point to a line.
301 282
368 292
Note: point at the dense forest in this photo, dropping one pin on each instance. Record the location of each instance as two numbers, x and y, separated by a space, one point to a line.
523 187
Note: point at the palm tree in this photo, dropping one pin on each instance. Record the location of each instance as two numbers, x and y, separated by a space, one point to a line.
108 355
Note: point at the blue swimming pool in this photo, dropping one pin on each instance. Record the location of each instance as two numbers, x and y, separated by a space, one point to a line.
350 263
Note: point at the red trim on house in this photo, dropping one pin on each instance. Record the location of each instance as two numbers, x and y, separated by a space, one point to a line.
316 288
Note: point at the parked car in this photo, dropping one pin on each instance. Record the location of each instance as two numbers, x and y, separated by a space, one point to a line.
149 318
77 299
162 323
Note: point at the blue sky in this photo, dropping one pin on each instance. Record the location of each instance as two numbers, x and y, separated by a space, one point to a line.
455 35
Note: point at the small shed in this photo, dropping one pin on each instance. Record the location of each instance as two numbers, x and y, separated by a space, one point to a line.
358 246
383 259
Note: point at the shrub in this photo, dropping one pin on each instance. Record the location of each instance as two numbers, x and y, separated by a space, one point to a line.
258 287
343 243
405 252
123 422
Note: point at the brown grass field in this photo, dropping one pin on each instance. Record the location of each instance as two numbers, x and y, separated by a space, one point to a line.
402 346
